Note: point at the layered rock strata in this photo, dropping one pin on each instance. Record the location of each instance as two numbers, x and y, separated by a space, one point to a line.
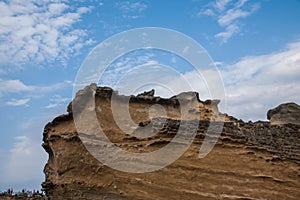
249 161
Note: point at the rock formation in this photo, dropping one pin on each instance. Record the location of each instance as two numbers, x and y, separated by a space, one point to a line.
249 161
147 93
285 114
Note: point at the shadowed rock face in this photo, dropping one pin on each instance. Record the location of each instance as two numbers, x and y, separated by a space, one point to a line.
250 160
284 114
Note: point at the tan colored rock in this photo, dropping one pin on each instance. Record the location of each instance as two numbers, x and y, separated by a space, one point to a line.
249 161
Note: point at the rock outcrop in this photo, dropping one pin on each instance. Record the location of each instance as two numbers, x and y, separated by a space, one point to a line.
249 161
285 114
147 93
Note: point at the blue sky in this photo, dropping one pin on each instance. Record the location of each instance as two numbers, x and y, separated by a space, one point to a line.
255 45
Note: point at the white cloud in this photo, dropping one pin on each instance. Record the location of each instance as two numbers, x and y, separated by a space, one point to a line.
208 12
39 31
51 105
253 85
52 87
221 4
23 164
228 33
56 101
13 86
257 83
234 14
57 8
124 11
131 10
121 67
129 6
16 86
229 14
17 93
18 102
59 99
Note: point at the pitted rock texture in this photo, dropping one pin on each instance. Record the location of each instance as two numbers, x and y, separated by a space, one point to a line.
249 161
288 113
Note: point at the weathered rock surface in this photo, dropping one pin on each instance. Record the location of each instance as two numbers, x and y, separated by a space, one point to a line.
285 114
250 160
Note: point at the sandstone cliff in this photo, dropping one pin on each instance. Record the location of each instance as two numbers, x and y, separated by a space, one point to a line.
249 161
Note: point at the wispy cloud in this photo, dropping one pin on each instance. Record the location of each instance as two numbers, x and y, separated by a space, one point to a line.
253 84
17 93
257 83
124 15
22 164
13 86
230 30
56 101
234 14
131 9
51 105
39 31
52 87
229 14
18 102
16 86
121 67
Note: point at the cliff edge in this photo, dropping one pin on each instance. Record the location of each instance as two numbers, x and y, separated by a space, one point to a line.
259 160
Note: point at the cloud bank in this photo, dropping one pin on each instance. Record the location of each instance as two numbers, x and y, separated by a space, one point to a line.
253 84
40 31
257 83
